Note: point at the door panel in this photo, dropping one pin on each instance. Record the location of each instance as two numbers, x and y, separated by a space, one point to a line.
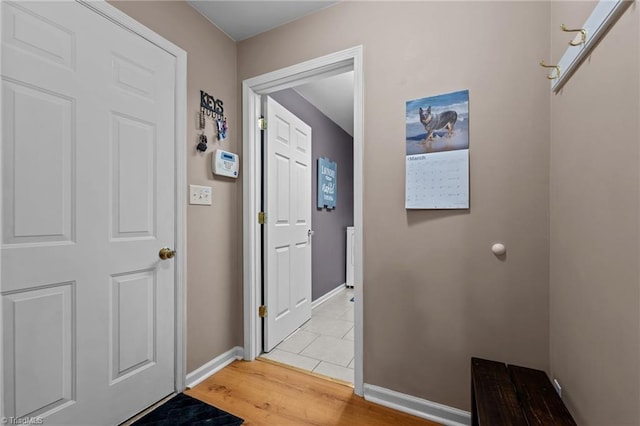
133 192
301 267
283 282
38 166
134 77
133 320
301 193
281 190
35 34
88 201
287 245
40 324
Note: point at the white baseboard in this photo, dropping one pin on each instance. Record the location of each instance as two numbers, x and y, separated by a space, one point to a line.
320 300
218 363
416 406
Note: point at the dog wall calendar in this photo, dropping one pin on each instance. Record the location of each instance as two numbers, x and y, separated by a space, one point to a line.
437 162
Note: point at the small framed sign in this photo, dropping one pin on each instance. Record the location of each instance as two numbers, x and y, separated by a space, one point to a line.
327 183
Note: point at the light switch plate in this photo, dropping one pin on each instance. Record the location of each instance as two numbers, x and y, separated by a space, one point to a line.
200 195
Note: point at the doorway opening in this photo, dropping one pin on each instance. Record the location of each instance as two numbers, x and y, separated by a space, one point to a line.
253 89
312 327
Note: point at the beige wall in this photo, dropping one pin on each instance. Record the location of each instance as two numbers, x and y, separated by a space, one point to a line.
214 288
594 282
434 294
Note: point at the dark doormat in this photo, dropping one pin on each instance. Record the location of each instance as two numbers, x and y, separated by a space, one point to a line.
185 410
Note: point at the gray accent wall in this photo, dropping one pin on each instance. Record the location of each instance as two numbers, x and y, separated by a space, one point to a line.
329 241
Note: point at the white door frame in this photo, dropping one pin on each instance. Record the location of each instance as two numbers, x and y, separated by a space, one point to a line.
180 187
252 89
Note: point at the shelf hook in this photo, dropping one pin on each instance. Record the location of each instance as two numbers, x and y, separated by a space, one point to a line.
551 76
582 31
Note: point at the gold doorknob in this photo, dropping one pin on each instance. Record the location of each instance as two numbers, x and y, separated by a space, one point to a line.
166 253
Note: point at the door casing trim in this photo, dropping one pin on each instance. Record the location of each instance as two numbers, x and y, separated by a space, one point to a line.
252 90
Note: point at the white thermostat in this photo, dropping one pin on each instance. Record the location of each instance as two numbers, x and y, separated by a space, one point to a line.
225 163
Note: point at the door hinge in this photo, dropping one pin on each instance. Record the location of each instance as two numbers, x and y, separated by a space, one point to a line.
262 218
262 311
262 123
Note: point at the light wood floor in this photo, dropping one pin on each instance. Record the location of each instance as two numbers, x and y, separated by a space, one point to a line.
263 393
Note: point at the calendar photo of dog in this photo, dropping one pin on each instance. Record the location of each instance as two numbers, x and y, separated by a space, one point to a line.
438 123
431 122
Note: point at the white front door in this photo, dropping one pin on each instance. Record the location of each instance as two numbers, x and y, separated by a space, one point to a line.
287 243
87 202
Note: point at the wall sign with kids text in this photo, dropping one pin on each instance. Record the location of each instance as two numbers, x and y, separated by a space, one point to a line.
327 183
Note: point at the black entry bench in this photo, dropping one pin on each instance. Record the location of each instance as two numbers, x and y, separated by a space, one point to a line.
508 395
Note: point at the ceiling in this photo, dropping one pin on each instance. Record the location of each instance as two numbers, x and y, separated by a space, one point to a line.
333 96
240 20
243 19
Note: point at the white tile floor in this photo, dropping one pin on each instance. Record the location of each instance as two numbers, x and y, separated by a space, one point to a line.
324 344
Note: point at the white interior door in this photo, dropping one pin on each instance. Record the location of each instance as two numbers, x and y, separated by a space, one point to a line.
87 202
288 229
